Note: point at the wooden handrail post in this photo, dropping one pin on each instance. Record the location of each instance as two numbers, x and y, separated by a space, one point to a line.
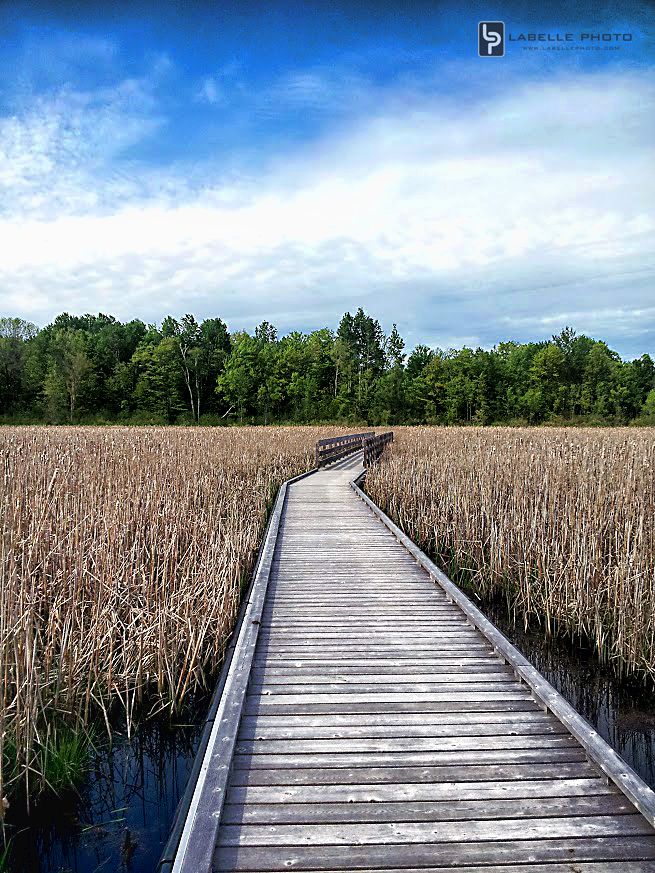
374 446
335 448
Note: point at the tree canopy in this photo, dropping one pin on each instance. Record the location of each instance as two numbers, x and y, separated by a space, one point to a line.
93 368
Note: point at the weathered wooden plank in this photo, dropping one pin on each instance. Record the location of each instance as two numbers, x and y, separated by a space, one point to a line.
442 645
349 573
384 636
405 760
420 589
371 611
310 680
329 594
363 605
438 660
445 667
368 603
288 583
353 622
401 744
487 772
340 553
348 534
375 598
384 579
420 811
340 559
387 688
363 653
344 542
384 614
465 715
624 866
300 649
255 705
353 619
273 651
388 697
370 731
385 630
287 596
269 678
453 643
417 792
289 667
425 597
387 577
356 857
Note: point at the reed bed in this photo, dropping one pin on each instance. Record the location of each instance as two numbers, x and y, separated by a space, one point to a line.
123 554
560 522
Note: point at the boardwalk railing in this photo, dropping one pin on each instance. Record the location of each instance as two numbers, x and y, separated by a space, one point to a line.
335 448
374 446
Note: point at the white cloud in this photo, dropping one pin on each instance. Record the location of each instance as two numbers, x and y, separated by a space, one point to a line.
62 56
59 157
518 215
210 92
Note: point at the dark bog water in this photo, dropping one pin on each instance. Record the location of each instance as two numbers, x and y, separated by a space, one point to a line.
622 713
121 819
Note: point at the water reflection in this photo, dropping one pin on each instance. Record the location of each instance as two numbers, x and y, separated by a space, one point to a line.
622 713
121 818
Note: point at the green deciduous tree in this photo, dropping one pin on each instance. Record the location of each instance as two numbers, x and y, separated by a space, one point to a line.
238 383
92 366
14 336
546 374
158 383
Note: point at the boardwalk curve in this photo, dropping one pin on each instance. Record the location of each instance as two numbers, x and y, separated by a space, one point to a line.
370 721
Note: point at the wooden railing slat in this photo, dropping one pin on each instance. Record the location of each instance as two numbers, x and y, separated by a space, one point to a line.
335 448
374 446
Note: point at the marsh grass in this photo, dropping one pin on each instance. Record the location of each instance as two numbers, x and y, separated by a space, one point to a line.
122 556
560 522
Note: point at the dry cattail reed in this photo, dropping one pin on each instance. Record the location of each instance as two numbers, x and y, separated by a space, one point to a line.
559 521
122 555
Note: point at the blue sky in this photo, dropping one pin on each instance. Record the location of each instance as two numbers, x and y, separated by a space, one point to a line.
288 162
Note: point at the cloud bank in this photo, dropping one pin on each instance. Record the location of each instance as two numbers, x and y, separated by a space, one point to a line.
463 221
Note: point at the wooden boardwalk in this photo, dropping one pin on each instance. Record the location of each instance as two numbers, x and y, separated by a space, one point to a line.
381 731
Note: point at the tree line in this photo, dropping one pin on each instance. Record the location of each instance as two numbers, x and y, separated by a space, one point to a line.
95 369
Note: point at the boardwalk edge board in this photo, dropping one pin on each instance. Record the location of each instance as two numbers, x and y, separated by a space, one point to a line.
597 750
191 843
